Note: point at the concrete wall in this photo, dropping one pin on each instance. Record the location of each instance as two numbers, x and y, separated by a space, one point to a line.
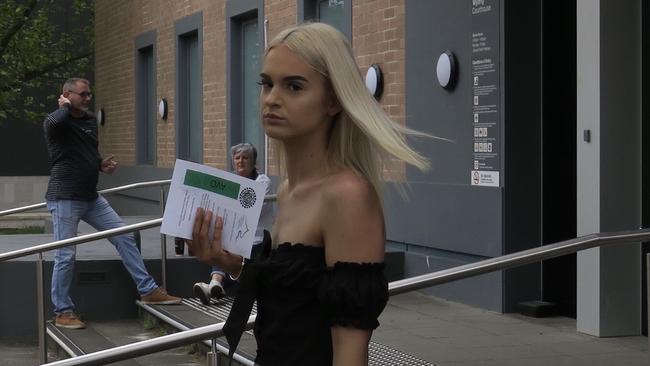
22 191
609 188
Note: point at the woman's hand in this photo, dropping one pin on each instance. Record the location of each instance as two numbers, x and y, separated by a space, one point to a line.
206 250
210 251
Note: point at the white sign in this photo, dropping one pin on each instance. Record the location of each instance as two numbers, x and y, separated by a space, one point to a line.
237 200
485 178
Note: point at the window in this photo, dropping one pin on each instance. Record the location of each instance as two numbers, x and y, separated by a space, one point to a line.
146 121
337 13
189 89
332 12
245 46
251 92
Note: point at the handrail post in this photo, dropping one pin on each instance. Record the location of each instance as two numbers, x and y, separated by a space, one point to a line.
647 303
213 355
40 309
163 241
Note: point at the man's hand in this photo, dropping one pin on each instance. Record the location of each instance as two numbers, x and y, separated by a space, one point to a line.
63 101
108 164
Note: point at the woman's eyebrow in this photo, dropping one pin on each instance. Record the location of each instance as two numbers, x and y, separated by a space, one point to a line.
296 77
286 78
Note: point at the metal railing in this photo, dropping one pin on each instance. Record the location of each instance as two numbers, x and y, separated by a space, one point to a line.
153 183
82 239
396 287
517 259
39 249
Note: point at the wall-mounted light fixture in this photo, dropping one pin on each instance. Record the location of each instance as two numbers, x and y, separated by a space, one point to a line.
375 81
101 116
446 70
162 109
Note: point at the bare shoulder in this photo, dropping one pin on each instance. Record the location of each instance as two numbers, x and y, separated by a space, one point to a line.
353 222
346 189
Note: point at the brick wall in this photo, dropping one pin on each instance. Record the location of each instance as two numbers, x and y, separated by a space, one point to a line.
117 25
378 37
114 74
281 14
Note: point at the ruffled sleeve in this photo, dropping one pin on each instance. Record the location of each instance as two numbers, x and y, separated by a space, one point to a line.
354 294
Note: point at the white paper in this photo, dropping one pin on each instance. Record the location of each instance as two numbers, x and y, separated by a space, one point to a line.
236 199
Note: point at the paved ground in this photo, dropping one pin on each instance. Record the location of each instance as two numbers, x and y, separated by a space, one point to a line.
448 333
440 331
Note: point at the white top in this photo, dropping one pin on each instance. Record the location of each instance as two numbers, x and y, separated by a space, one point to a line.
268 211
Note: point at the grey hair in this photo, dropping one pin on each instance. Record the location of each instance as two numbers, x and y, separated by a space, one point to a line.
244 147
67 86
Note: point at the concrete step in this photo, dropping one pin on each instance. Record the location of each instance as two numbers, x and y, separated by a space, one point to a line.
193 314
98 336
24 220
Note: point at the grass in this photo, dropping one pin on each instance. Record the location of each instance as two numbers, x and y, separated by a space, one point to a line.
24 230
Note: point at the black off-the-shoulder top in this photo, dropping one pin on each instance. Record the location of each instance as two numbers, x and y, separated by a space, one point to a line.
299 299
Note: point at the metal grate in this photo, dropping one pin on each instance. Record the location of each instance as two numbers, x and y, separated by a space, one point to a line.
218 309
380 355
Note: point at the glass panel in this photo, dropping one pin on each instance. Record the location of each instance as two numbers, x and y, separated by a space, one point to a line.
251 92
146 108
150 108
194 102
182 109
332 13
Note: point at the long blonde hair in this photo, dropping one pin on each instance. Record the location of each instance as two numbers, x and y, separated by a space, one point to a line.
363 137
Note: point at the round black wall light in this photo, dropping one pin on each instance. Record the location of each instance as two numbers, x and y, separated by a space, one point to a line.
446 70
375 81
162 108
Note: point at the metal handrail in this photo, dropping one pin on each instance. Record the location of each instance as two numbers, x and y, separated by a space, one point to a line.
394 288
39 249
105 191
153 183
517 259
79 239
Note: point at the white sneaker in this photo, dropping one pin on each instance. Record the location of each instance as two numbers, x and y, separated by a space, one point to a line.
216 289
202 291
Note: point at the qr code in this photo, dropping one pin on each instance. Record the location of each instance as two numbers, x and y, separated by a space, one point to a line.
247 197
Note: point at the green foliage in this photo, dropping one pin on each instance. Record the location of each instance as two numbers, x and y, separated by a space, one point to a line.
22 231
42 43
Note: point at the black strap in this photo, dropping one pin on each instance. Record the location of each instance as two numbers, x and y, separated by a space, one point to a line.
245 298
241 308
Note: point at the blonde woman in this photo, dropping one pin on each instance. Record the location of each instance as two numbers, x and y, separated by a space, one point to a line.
319 281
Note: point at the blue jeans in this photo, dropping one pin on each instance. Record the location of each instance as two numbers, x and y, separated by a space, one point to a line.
66 215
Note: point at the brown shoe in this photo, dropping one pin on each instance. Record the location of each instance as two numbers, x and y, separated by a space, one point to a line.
160 297
69 320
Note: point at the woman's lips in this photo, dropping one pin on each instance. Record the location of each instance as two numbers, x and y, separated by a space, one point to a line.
272 118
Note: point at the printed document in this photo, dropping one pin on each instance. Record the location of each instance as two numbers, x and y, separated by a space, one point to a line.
236 199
